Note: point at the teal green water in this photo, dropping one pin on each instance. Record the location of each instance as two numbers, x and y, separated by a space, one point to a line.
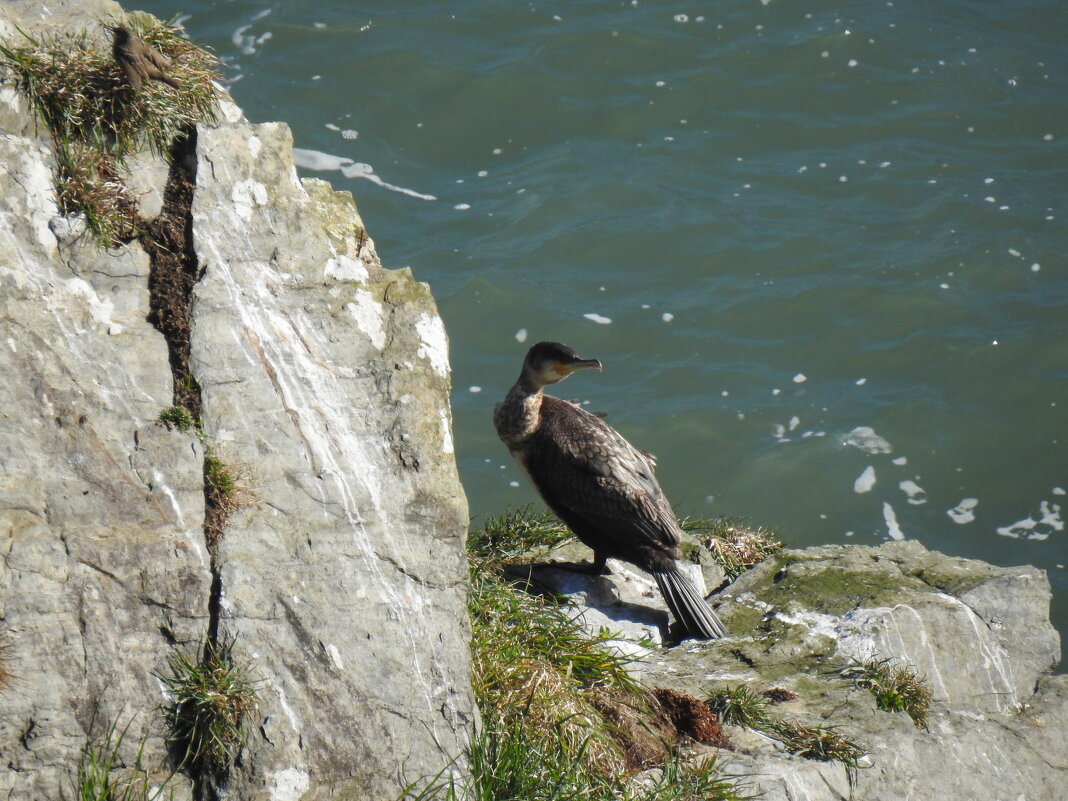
788 221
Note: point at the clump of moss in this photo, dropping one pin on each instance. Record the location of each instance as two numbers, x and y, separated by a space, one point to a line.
896 689
210 699
177 417
97 120
735 545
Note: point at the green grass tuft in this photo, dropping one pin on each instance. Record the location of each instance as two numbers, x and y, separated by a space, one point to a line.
209 700
689 781
535 666
96 120
820 743
514 533
740 706
896 689
102 775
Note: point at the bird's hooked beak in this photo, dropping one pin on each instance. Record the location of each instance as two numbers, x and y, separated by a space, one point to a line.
567 368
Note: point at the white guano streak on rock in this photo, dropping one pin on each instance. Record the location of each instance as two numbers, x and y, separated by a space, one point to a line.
343 268
246 196
857 641
158 479
998 668
65 300
368 314
310 391
291 715
435 343
897 644
446 431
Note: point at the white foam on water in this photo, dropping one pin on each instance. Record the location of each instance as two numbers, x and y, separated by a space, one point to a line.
865 481
521 335
319 161
892 527
963 512
1049 520
597 318
865 438
916 493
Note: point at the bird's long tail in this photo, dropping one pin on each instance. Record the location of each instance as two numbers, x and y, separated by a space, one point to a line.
688 607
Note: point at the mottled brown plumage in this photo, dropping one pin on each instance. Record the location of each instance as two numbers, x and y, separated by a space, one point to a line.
139 61
602 487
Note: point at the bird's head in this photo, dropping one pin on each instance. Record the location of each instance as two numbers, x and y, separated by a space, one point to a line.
550 362
120 33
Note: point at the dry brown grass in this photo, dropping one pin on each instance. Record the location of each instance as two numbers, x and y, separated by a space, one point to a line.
96 119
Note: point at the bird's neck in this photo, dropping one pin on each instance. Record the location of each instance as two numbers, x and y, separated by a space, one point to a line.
519 414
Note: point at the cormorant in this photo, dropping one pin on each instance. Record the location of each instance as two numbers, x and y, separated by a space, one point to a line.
138 60
596 482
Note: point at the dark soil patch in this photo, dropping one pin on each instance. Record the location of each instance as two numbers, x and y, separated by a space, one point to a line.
690 717
168 240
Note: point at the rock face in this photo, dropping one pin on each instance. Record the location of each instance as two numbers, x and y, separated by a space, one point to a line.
980 635
324 382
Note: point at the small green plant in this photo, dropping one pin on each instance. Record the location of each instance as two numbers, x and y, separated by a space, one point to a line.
225 491
735 545
740 706
177 417
896 689
679 780
821 743
96 119
218 476
210 698
743 707
102 775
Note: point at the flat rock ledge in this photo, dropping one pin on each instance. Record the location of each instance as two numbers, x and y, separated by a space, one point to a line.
979 635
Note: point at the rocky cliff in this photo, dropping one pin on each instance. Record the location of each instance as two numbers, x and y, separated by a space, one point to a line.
323 378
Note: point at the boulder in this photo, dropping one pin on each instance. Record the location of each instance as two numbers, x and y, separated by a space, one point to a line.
979 635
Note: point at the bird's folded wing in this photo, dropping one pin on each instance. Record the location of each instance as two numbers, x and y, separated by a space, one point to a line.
593 471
